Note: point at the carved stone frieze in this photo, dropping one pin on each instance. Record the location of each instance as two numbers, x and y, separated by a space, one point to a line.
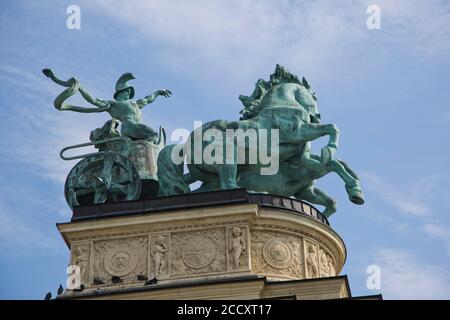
202 251
327 264
206 246
123 258
277 254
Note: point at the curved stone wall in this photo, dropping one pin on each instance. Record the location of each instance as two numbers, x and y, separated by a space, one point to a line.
207 243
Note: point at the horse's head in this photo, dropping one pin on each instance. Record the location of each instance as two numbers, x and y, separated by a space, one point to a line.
303 94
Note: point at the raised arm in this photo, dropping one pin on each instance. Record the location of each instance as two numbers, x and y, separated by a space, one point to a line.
151 97
73 86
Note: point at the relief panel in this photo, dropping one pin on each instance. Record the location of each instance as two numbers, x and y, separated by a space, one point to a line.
123 258
198 252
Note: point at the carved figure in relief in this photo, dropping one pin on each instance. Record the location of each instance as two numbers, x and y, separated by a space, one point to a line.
324 264
331 267
237 246
158 252
81 259
311 261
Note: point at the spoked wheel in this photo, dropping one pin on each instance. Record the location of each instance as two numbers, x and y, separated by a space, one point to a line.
103 177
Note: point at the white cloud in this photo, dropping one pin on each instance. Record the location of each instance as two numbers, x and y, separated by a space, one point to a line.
403 276
386 220
436 231
411 206
406 201
422 25
17 236
34 131
237 36
398 197
227 40
43 130
440 232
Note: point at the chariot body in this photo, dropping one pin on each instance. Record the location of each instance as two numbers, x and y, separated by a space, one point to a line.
122 169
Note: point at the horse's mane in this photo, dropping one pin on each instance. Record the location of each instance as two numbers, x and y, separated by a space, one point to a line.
252 103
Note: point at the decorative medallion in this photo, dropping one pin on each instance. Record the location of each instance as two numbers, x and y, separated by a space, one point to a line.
198 252
120 260
277 253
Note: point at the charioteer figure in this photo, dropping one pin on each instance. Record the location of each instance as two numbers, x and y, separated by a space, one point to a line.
122 108
125 166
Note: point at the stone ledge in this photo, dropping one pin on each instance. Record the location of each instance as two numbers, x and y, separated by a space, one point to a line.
246 288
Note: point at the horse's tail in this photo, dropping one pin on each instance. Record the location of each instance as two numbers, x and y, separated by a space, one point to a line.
170 175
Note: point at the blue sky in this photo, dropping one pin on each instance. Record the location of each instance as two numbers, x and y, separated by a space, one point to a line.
387 90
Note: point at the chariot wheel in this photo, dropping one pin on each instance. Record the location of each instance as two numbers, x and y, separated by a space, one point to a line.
100 178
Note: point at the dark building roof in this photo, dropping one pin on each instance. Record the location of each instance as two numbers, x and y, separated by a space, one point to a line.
196 200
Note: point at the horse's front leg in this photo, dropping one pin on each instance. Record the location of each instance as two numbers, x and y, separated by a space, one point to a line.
312 131
351 180
317 169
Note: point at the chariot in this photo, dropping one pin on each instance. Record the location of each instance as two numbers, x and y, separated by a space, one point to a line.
121 170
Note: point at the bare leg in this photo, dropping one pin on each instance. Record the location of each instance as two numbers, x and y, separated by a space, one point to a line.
157 263
162 266
138 131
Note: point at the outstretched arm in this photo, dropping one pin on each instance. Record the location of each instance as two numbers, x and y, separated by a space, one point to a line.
95 101
150 98
101 103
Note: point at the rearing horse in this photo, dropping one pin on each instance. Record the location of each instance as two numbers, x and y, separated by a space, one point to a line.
284 103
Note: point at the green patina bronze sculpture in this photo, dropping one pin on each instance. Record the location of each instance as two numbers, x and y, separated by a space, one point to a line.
135 163
121 108
288 105
125 166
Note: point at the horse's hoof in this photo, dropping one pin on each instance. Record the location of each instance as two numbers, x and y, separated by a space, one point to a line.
357 199
355 195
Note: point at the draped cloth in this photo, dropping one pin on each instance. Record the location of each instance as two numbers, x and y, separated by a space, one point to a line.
73 86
